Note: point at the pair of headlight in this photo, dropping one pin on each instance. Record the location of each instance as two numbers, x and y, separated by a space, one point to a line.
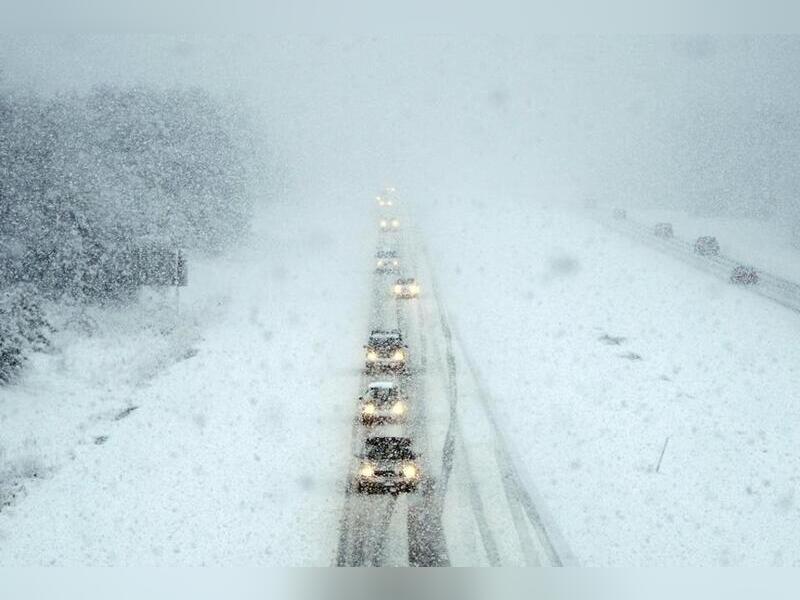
398 408
409 470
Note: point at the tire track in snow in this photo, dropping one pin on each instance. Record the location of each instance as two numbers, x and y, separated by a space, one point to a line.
517 495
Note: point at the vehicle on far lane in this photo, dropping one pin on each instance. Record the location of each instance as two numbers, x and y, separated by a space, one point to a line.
663 230
389 465
620 213
406 288
706 246
744 275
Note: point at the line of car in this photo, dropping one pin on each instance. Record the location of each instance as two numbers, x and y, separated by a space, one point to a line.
705 245
389 461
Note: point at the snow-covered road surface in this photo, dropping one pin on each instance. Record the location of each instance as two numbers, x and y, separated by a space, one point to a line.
470 508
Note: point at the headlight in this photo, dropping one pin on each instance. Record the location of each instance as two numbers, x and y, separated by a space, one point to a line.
395 223
399 408
414 289
409 471
366 470
395 263
372 356
398 289
380 263
369 409
384 223
388 203
398 355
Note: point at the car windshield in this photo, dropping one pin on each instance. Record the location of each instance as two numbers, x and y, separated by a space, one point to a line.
385 340
389 449
383 395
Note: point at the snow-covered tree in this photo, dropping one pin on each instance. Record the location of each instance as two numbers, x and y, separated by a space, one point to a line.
84 180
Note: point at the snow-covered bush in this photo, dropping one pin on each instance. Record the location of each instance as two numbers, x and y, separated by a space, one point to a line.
23 329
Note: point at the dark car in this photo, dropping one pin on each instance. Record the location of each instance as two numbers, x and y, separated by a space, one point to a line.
706 246
744 275
663 230
386 351
388 466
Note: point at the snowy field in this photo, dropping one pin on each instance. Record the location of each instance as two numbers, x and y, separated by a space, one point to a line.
596 351
235 451
221 435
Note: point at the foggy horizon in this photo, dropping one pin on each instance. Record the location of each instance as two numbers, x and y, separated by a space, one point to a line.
672 121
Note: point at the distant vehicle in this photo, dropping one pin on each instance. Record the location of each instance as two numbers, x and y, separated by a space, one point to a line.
389 466
663 230
383 402
391 224
406 288
386 352
744 275
706 246
383 202
620 213
387 261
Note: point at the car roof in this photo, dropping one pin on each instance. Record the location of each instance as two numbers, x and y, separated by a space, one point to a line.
382 385
386 333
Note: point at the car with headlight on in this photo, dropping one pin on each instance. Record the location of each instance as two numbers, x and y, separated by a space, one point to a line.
383 201
706 246
387 261
663 230
744 275
389 224
383 402
406 288
387 352
388 465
